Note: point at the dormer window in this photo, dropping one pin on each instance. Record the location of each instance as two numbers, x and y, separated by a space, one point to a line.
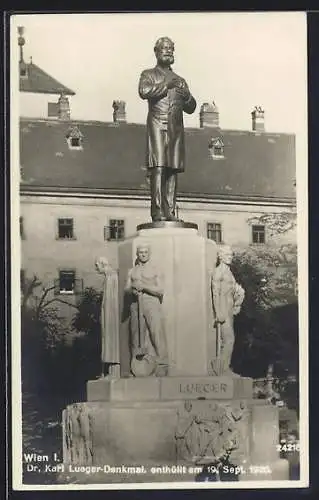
74 138
75 142
216 148
218 151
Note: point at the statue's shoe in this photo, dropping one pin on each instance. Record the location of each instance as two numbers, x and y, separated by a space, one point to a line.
158 218
172 218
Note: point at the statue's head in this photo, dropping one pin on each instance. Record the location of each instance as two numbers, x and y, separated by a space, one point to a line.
143 252
225 254
164 51
101 264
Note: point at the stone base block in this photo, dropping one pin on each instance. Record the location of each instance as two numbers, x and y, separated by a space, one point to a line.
145 425
126 441
168 388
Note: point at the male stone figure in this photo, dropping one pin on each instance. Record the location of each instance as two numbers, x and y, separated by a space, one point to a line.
228 297
168 96
145 285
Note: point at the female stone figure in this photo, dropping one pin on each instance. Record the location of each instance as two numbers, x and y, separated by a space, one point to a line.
228 297
110 356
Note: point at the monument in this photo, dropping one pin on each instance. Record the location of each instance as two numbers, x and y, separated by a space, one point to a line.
176 403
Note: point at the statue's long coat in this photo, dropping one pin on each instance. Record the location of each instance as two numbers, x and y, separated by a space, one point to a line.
164 128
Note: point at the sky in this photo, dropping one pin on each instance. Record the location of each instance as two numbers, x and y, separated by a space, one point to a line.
238 60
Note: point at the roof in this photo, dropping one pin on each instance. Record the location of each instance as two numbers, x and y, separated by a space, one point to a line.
113 159
38 81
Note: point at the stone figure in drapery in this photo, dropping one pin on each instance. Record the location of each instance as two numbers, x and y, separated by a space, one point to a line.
148 340
228 297
168 97
110 350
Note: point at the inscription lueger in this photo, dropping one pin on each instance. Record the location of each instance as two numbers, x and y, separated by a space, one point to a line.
203 388
197 387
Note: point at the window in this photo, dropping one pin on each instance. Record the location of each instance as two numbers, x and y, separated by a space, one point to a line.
74 138
22 235
216 147
115 230
258 234
214 231
75 142
65 229
218 151
67 282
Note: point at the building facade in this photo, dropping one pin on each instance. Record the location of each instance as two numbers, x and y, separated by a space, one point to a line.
84 185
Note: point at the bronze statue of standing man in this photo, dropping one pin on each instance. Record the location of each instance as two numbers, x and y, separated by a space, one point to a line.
168 96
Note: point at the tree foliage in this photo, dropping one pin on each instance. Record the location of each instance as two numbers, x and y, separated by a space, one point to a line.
87 318
267 327
48 361
276 223
87 348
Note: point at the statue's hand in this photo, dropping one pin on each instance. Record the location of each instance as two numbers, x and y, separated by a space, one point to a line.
173 83
184 93
137 287
220 319
183 90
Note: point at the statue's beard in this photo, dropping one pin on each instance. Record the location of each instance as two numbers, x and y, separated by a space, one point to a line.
166 60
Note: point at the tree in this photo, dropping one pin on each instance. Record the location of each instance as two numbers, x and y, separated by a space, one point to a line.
48 360
277 223
87 321
46 357
87 318
268 276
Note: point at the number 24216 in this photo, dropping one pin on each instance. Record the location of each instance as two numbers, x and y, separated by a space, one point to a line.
288 447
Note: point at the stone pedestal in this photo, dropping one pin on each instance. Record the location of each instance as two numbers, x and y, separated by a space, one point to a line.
154 429
186 261
149 425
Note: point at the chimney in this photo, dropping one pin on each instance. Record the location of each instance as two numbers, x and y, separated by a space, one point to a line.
23 68
209 115
21 41
119 113
258 119
63 108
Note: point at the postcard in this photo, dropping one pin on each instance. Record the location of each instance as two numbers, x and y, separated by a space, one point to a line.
159 214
